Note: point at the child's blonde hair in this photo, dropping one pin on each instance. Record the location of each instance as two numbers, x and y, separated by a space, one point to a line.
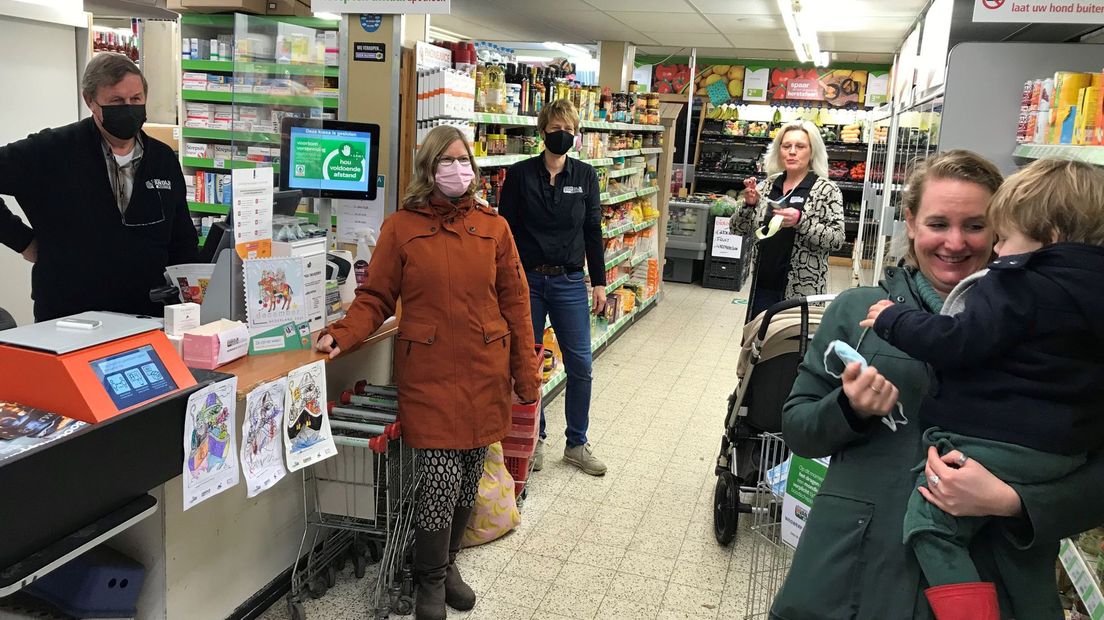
1052 200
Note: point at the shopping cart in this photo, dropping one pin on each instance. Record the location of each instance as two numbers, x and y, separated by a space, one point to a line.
770 557
360 503
774 344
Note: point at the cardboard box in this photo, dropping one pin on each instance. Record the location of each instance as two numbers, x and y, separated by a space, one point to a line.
288 7
214 344
180 318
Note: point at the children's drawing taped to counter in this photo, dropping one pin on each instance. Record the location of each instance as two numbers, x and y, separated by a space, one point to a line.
307 436
261 455
210 456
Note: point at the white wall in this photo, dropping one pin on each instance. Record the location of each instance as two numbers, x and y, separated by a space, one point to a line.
39 69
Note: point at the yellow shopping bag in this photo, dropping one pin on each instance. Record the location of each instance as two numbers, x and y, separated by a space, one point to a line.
495 512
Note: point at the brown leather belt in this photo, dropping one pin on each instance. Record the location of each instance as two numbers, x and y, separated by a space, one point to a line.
550 270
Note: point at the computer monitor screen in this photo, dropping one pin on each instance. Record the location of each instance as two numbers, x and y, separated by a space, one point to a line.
329 159
133 376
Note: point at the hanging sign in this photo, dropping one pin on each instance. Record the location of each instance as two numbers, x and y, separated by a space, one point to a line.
1039 11
391 7
756 80
877 88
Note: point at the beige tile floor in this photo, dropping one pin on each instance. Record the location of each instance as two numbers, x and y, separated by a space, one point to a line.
638 542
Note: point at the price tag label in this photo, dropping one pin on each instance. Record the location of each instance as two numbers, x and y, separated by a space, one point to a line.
220 162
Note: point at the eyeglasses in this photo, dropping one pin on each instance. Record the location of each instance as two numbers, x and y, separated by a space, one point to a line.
449 161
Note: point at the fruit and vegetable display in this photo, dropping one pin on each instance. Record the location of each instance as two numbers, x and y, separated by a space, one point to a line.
851 133
858 171
839 170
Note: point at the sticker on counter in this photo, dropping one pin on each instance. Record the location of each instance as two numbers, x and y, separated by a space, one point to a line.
307 436
369 52
210 456
262 456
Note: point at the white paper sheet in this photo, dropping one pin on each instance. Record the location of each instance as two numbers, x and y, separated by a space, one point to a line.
275 292
192 280
354 215
262 456
307 436
210 456
252 189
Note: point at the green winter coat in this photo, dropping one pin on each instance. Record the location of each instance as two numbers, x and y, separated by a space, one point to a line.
851 564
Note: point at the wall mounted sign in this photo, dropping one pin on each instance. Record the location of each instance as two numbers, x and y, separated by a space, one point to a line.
1039 11
369 52
390 7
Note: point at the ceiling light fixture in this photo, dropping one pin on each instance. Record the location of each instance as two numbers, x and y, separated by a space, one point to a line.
440 34
786 8
802 32
570 49
329 16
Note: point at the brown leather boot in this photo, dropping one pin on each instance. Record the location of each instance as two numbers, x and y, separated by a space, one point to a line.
458 595
431 555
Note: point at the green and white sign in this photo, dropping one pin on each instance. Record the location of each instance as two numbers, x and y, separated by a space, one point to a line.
756 80
803 482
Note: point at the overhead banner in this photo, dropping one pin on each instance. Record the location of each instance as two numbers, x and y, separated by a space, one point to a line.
734 83
836 87
409 7
709 81
1039 11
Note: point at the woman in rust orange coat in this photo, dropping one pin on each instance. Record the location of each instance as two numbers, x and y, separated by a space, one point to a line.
463 350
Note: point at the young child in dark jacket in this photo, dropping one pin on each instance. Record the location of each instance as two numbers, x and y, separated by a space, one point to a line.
1020 374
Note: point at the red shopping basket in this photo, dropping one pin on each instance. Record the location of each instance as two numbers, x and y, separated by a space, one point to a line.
521 439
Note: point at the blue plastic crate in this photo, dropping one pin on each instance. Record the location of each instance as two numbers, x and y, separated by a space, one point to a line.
102 583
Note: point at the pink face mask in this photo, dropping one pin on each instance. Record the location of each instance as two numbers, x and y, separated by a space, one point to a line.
454 179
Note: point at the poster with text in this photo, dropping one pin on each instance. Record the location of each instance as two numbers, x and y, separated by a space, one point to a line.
877 88
262 454
725 244
356 215
802 483
756 80
252 207
275 292
210 457
307 436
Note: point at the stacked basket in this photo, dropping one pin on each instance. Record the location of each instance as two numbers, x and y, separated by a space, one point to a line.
521 439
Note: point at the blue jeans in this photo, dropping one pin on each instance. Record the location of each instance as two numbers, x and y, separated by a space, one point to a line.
563 299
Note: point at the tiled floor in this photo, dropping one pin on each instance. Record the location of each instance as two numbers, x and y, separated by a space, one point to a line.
637 543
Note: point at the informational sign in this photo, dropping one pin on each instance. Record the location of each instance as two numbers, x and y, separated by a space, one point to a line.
877 88
133 377
904 73
210 456
275 292
328 159
409 7
756 80
371 22
252 207
803 481
369 52
725 244
428 56
933 45
1039 11
356 215
804 89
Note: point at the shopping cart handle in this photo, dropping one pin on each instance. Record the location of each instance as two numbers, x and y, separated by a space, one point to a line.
346 397
394 431
360 386
330 407
378 444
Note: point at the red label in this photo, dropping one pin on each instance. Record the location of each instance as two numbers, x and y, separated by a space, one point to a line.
804 88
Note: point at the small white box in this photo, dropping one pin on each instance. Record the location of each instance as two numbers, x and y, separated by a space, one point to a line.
180 318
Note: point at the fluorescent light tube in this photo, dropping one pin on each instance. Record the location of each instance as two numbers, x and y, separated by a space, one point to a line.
785 7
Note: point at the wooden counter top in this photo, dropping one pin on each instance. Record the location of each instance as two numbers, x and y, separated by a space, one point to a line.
253 370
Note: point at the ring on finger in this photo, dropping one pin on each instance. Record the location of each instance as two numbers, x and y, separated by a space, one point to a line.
933 480
875 390
962 458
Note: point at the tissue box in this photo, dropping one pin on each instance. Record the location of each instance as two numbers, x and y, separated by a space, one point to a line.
214 344
180 318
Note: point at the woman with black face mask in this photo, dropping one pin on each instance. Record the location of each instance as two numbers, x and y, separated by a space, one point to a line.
553 207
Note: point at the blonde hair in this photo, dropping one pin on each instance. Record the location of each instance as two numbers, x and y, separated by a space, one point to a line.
818 159
560 110
1052 200
423 177
955 165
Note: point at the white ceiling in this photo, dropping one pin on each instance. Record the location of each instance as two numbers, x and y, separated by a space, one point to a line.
853 30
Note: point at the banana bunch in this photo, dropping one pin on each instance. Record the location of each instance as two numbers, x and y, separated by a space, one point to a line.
724 112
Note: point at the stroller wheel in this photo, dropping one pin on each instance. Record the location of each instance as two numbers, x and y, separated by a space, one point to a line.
726 501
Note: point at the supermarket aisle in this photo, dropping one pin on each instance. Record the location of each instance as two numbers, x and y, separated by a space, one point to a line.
637 543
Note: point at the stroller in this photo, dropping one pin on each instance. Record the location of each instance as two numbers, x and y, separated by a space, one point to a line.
773 346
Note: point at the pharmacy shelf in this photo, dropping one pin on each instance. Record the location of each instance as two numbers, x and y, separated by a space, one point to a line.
644 225
619 230
624 172
227 21
208 208
226 134
647 191
1083 576
227 164
612 200
651 150
616 284
266 68
486 118
624 153
258 99
604 126
617 260
1087 154
493 161
640 259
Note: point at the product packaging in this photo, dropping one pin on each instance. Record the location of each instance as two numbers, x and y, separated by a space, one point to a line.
214 344
180 318
1088 130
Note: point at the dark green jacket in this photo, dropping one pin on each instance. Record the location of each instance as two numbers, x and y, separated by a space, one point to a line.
851 563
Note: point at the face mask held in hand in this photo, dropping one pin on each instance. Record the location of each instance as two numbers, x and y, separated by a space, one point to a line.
559 142
123 121
847 354
454 179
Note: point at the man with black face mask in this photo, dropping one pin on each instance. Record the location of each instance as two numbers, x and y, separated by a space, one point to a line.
106 203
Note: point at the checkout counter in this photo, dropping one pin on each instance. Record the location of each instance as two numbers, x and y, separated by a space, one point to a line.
119 477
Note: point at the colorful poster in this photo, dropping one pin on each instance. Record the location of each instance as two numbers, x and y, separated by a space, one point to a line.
788 83
843 87
676 79
275 292
210 457
802 483
307 436
24 428
877 88
756 80
252 211
262 456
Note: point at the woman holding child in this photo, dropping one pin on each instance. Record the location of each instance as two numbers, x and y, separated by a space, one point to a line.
851 562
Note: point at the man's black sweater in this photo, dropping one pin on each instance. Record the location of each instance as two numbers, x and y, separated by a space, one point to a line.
88 259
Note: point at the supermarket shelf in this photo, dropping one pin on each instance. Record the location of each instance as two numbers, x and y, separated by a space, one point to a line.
651 150
644 225
227 21
613 330
226 134
504 119
640 259
624 172
617 260
492 161
602 125
647 191
229 66
619 230
624 153
604 196
611 200
849 185
208 208
721 176
259 99
554 381
1083 576
1087 154
616 284
227 164
601 162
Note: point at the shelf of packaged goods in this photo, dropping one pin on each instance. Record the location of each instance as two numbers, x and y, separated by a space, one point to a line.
624 172
611 331
227 21
487 118
614 199
651 150
617 260
226 134
554 381
228 164
721 176
624 153
603 197
493 161
849 185
647 191
601 162
644 225
893 187
602 125
1087 154
640 259
259 99
618 230
265 68
1084 579
208 208
616 284
848 146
